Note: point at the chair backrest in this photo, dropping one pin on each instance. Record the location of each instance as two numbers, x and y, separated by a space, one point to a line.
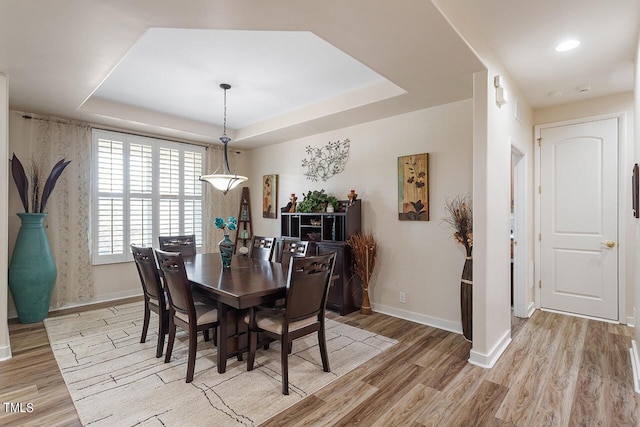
262 247
186 245
148 272
177 283
307 286
292 249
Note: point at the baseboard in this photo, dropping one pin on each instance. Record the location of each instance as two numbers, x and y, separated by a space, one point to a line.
488 360
5 353
635 365
114 296
631 321
531 309
436 322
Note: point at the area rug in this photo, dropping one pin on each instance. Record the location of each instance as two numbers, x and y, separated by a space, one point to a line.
113 379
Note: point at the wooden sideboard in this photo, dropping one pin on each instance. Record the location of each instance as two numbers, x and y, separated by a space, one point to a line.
328 232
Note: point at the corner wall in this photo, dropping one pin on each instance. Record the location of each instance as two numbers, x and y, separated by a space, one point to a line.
419 258
5 346
635 355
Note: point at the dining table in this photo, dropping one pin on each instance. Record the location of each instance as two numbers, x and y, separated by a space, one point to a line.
248 282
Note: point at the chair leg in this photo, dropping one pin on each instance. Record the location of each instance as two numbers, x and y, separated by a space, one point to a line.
322 343
284 362
206 335
145 323
215 336
193 346
161 331
172 337
253 344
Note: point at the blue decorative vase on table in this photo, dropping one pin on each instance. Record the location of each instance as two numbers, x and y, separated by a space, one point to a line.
32 272
226 251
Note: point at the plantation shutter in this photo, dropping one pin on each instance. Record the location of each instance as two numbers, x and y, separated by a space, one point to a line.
110 210
169 188
143 188
193 194
141 194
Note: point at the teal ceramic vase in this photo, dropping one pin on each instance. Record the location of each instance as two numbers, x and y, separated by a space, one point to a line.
32 272
226 251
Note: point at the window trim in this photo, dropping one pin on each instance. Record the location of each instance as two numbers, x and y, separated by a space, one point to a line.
127 194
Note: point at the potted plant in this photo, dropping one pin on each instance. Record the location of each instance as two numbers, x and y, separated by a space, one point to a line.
32 271
459 216
317 201
365 249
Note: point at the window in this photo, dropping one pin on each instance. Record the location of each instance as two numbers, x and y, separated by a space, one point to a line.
143 188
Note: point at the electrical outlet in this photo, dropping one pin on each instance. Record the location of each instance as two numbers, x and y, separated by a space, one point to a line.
403 297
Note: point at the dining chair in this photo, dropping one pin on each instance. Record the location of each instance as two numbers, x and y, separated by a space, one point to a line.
306 297
292 249
182 311
186 244
262 247
155 298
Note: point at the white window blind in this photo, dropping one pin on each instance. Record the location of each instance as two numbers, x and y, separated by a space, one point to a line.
143 188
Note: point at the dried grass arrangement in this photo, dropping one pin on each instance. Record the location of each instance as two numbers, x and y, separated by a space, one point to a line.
365 251
459 216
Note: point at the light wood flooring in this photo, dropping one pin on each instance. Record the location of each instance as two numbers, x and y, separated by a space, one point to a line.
558 371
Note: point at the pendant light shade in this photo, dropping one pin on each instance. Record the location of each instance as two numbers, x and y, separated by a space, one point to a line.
226 180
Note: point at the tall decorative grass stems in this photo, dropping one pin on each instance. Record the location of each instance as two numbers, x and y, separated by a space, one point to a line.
365 251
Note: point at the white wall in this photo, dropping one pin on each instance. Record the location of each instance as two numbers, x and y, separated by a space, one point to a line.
416 257
5 347
618 103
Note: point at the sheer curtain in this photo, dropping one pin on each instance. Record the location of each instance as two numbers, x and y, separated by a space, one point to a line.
49 139
217 204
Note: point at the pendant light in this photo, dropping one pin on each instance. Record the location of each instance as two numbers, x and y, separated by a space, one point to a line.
226 180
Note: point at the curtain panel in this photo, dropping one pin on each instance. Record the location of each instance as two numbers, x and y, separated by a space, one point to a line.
48 139
217 204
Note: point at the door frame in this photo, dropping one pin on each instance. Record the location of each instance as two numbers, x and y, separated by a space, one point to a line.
520 303
623 191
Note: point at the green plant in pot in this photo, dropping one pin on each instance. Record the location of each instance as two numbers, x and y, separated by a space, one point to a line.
317 201
32 271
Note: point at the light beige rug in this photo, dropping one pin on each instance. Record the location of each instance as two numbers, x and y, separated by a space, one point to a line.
115 380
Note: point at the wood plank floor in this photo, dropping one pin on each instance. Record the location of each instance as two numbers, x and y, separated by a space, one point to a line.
558 371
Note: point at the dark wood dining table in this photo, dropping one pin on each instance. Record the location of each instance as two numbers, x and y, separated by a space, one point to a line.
247 283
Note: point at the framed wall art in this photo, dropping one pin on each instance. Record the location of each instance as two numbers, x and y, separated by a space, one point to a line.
413 187
269 196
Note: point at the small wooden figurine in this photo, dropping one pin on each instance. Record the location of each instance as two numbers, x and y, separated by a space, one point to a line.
293 199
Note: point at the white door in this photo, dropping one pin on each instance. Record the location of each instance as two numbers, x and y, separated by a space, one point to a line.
578 218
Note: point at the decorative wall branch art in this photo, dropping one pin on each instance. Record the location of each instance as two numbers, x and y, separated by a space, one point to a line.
269 196
413 187
327 161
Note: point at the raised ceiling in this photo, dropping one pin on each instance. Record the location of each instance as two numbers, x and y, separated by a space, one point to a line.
57 54
151 65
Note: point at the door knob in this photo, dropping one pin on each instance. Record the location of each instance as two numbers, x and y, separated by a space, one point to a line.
610 243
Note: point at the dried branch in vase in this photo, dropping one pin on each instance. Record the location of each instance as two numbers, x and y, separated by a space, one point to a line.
365 250
459 215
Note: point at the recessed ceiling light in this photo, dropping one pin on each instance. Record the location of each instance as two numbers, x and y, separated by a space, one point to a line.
567 45
555 93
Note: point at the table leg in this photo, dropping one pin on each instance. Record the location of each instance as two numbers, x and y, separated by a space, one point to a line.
223 329
232 335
